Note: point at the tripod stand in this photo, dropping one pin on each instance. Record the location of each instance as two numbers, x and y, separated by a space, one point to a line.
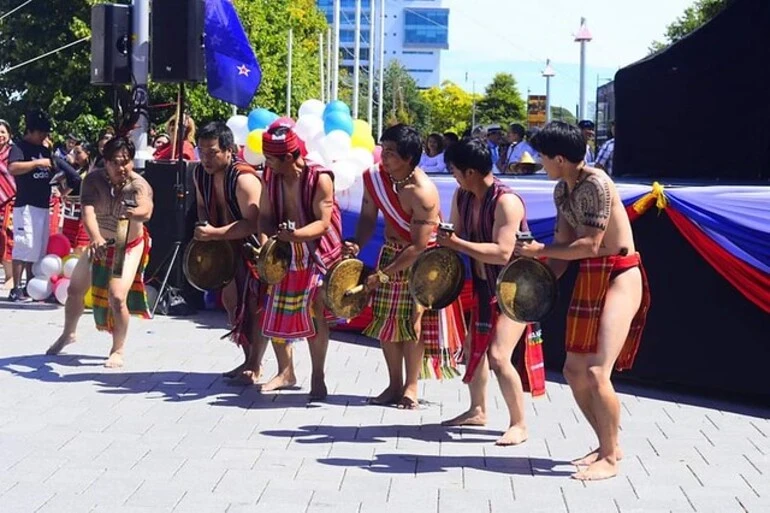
173 257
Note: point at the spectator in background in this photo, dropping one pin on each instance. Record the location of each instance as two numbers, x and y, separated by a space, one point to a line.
104 137
432 160
160 141
450 139
495 142
606 153
587 128
65 151
7 195
168 151
30 164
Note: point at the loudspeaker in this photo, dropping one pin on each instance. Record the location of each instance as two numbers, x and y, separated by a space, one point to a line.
177 41
110 44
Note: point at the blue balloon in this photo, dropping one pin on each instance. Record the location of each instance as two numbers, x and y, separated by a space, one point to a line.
338 121
337 106
261 119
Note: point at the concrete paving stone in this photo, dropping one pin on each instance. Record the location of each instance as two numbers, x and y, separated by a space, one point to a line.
25 496
71 479
156 493
199 474
237 459
243 486
202 502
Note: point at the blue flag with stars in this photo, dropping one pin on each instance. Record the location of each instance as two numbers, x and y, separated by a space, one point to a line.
232 70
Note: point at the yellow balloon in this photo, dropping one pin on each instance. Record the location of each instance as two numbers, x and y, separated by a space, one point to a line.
254 140
365 141
88 300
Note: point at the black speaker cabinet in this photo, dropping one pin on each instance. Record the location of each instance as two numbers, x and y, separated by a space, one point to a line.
177 41
110 44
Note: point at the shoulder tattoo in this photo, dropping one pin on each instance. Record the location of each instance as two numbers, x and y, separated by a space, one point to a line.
593 201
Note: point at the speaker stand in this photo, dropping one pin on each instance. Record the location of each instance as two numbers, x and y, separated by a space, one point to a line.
179 189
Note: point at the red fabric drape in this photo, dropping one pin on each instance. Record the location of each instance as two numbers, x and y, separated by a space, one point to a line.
751 282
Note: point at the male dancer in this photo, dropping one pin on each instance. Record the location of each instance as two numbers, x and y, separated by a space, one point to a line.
486 215
228 192
409 201
611 298
300 192
105 194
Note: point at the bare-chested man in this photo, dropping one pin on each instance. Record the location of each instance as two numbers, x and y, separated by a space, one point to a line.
409 202
299 192
611 298
105 194
228 193
486 215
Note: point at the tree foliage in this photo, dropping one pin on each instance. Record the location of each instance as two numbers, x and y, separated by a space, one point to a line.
60 83
691 19
562 114
502 102
450 108
402 100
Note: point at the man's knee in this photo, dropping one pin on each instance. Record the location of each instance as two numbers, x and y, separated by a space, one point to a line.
597 376
498 358
117 299
575 374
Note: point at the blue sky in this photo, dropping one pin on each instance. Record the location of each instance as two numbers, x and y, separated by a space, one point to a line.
515 36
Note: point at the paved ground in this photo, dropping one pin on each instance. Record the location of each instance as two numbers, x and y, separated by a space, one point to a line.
168 434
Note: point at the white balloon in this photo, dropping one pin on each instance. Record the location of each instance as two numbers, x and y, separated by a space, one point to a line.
69 267
50 266
336 145
240 127
252 157
61 289
312 108
315 157
39 289
315 144
363 159
308 127
344 174
36 269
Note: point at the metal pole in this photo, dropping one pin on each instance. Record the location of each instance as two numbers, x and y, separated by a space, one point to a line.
381 71
356 59
321 65
140 67
581 114
329 75
288 73
548 99
336 56
370 66
473 116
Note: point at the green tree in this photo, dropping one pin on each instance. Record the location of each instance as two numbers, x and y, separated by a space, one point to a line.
450 107
61 82
502 102
562 114
402 100
691 19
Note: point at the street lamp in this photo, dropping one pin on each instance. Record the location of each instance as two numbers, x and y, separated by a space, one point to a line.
548 73
583 36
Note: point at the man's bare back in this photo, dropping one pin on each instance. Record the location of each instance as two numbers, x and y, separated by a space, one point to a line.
594 203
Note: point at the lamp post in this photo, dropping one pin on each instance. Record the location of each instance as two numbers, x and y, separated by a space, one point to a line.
583 37
548 73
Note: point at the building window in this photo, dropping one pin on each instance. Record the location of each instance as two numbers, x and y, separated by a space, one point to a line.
349 36
420 70
417 52
426 27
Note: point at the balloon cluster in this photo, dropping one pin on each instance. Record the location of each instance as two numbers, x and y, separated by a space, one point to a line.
53 271
328 136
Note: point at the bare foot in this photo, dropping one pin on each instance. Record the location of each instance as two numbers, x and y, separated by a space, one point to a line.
115 360
247 377
388 396
61 342
408 403
514 436
235 372
603 468
473 417
318 391
594 455
8 285
279 382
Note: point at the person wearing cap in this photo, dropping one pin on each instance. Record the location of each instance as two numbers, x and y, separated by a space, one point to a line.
65 152
30 164
298 206
587 128
228 193
518 147
495 143
606 154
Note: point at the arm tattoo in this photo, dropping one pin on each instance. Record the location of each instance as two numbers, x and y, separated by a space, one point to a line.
558 220
424 222
593 199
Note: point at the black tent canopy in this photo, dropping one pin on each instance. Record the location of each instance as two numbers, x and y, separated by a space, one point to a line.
700 109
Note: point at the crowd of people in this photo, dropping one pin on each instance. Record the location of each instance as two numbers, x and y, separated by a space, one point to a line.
294 201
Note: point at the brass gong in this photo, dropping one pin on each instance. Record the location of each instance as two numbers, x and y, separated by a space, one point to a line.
209 265
344 292
436 278
272 260
526 290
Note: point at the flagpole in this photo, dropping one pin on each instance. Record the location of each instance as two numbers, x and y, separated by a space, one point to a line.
381 52
140 64
370 67
357 59
328 64
288 75
336 56
321 65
